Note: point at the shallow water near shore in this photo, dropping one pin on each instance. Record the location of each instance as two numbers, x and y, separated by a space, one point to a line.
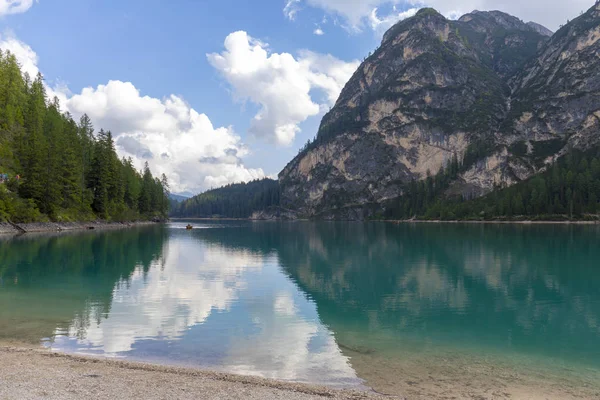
423 311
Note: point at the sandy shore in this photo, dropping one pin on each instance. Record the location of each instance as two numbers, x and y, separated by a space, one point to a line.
437 375
27 373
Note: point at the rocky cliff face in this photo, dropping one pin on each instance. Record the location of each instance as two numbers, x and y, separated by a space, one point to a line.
488 88
541 29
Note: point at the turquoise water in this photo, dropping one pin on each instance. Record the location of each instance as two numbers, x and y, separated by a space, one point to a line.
419 310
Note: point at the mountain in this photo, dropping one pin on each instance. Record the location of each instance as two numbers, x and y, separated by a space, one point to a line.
541 29
177 198
483 102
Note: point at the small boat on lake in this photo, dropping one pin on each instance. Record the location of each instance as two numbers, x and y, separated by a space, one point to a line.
189 227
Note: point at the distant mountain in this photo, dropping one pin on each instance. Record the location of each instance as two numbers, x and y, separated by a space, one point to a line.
232 201
457 108
178 198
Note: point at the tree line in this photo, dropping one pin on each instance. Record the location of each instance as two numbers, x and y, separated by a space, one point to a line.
231 201
569 189
54 168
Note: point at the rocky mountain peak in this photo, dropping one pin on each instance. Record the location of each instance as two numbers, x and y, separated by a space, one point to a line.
487 89
504 43
425 19
557 96
487 20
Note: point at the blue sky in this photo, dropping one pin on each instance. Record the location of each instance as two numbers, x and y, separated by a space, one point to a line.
238 112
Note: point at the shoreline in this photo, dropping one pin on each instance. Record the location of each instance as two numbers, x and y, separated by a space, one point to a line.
7 228
404 221
211 219
29 372
524 222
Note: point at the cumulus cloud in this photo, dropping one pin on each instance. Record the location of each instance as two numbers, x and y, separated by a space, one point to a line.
357 13
192 283
23 52
285 340
8 7
318 32
174 138
281 84
28 60
327 73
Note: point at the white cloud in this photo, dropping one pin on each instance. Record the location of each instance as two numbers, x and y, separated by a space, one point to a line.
550 13
386 22
8 7
173 137
319 32
28 60
190 284
354 11
280 83
25 55
327 73
289 346
291 8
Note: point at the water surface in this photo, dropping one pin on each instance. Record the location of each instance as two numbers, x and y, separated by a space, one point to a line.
493 311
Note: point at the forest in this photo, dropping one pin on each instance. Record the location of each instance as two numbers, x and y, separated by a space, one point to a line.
55 168
567 190
231 201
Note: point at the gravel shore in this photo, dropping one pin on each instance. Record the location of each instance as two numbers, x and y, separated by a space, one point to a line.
14 229
8 229
39 374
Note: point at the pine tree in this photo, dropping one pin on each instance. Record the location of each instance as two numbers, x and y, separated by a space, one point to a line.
53 152
85 131
34 144
65 171
166 194
12 92
70 166
145 201
132 184
100 175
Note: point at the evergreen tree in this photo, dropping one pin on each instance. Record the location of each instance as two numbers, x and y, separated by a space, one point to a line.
231 201
85 131
145 202
59 167
53 132
33 150
70 166
165 195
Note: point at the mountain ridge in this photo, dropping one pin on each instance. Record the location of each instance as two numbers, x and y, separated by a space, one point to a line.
488 89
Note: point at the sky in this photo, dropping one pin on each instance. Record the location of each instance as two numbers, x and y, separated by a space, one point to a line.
214 92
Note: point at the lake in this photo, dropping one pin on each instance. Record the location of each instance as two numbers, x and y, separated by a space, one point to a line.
421 310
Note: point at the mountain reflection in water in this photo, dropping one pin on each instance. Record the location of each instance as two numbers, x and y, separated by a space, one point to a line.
316 302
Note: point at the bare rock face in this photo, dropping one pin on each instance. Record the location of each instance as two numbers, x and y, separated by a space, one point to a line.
541 29
488 84
558 95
